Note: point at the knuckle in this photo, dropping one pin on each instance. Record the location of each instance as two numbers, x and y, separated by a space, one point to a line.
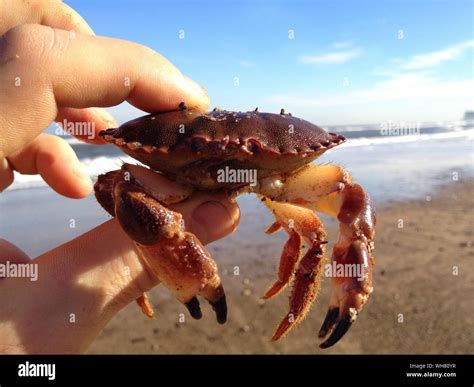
19 43
32 44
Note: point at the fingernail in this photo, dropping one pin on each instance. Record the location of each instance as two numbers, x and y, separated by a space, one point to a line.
211 221
112 123
195 88
101 115
105 117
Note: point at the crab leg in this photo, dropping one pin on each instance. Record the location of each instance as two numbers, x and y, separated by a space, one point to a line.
290 256
145 305
176 256
329 189
300 223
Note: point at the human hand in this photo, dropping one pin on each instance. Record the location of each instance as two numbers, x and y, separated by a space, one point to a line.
48 73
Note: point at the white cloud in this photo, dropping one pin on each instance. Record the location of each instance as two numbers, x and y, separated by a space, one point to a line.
406 86
246 64
336 57
409 90
409 86
434 58
342 44
405 96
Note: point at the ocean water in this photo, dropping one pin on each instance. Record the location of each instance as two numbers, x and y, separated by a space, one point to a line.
390 168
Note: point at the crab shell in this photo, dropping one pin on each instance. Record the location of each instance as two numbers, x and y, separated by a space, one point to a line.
192 146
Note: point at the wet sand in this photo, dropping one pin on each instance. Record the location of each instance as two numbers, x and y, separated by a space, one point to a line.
414 277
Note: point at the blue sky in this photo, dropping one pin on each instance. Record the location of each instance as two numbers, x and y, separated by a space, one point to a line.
349 62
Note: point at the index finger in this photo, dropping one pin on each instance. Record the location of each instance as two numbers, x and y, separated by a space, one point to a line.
43 69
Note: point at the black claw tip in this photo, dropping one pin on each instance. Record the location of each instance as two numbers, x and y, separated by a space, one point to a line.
341 328
256 110
194 308
329 321
282 111
220 307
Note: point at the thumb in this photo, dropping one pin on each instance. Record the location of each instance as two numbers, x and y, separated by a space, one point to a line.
209 216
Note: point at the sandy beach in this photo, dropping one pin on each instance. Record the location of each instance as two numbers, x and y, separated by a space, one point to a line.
414 277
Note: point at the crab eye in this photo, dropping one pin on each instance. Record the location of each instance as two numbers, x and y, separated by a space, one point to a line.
252 147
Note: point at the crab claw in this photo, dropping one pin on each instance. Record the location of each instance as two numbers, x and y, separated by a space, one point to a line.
177 257
349 294
219 306
194 308
352 253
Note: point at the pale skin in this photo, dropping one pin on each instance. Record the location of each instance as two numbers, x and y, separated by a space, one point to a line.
98 273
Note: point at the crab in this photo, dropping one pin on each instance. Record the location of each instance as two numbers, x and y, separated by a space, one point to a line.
189 150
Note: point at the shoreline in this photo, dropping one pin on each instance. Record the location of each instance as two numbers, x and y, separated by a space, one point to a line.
418 306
